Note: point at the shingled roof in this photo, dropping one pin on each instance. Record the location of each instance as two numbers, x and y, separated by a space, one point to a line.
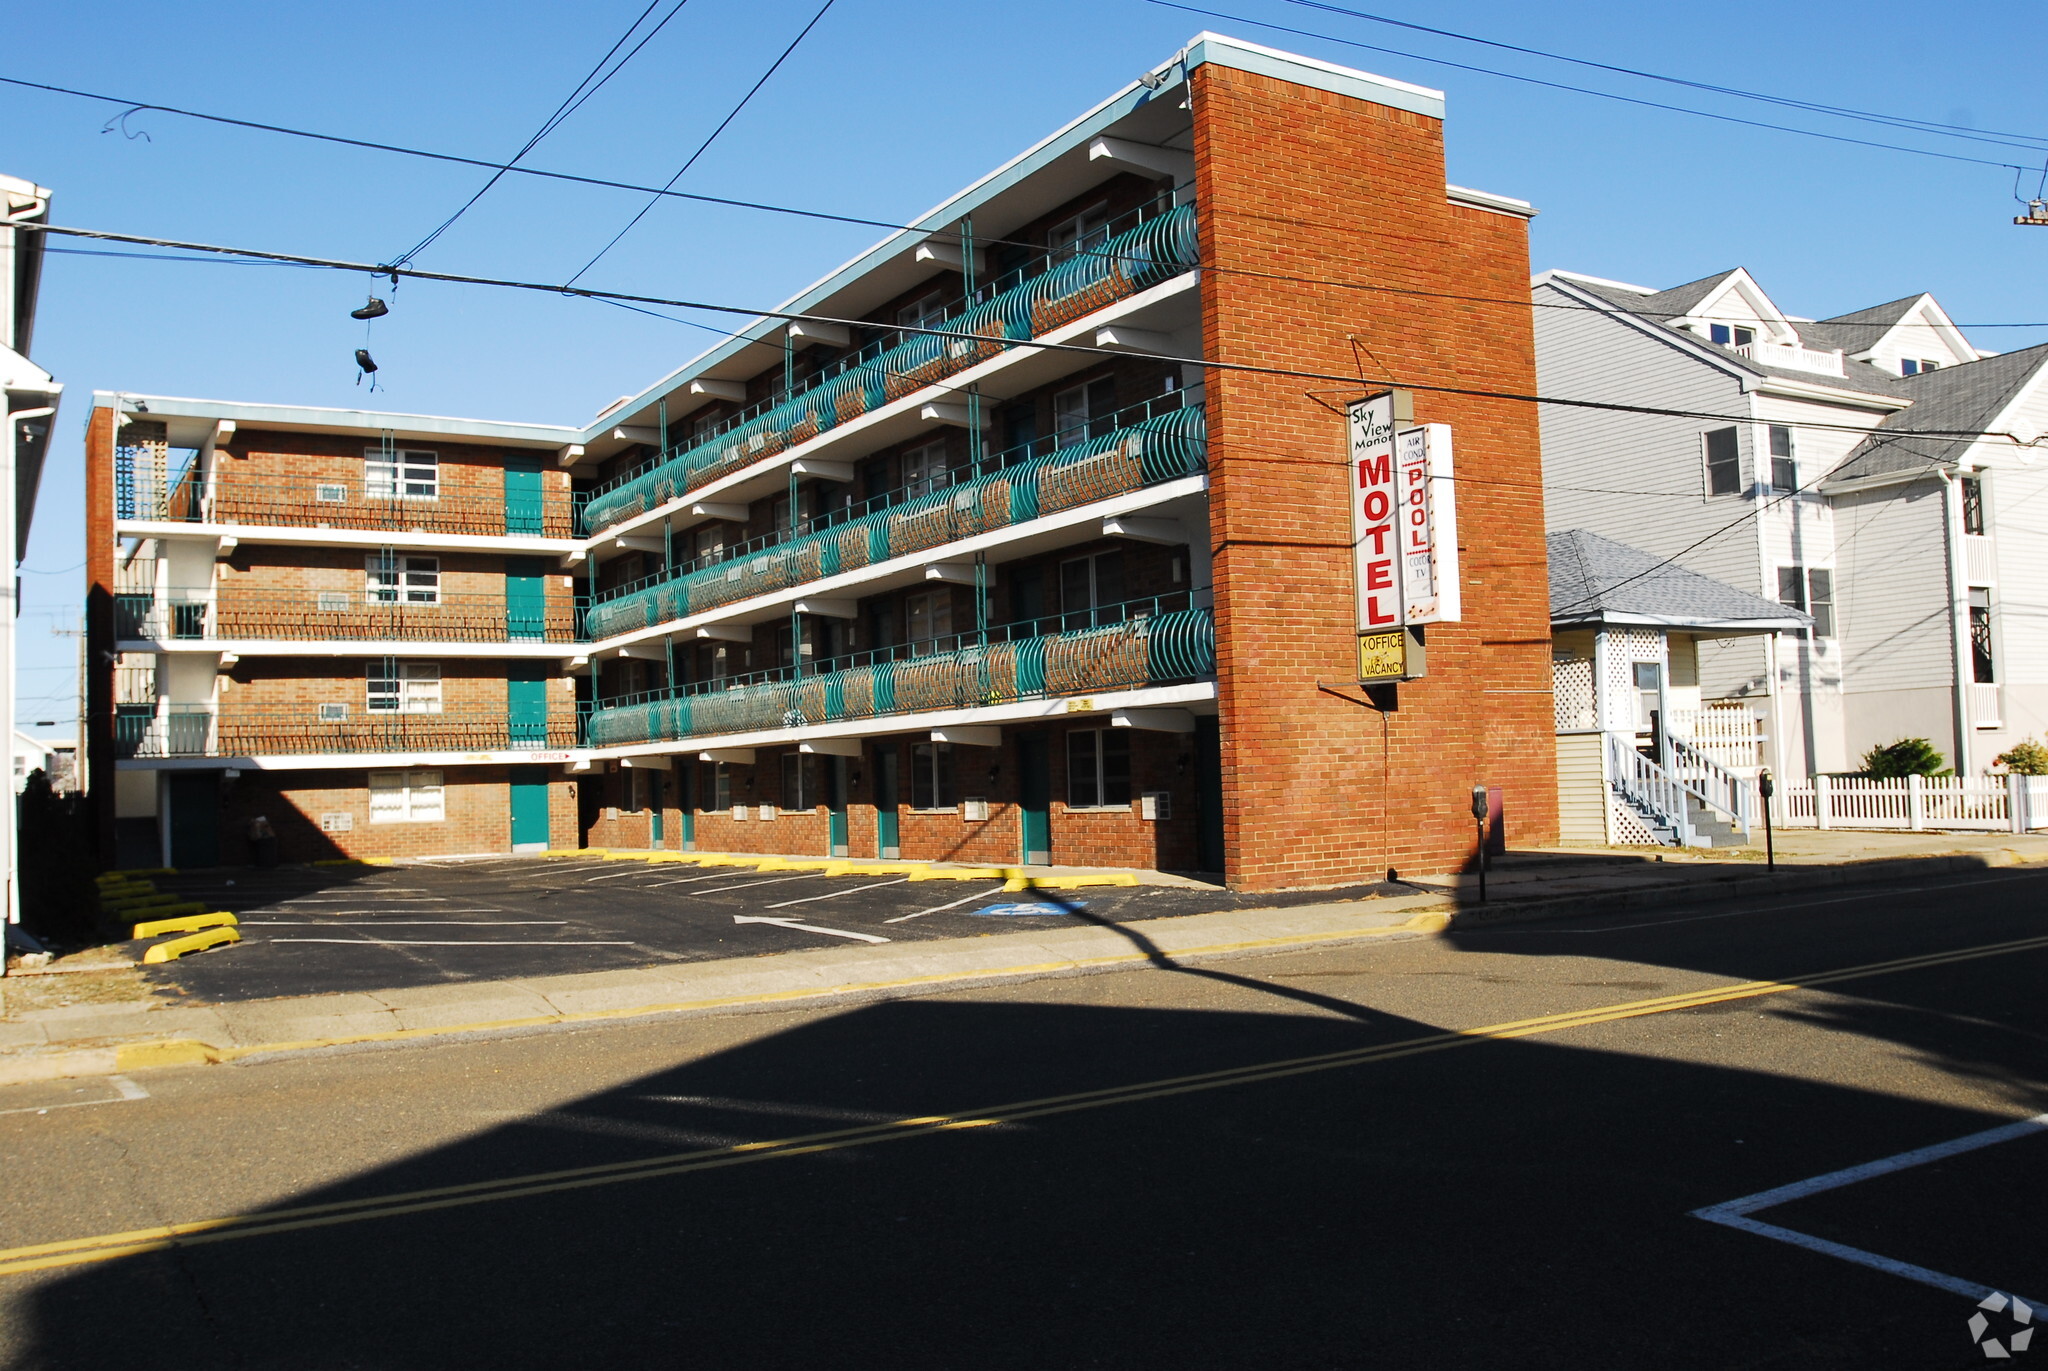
1596 582
1960 399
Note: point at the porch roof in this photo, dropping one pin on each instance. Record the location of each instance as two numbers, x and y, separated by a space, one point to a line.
1596 582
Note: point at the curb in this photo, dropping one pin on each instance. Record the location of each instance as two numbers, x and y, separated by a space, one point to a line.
1434 920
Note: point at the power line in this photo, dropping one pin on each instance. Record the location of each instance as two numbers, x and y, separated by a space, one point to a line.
691 161
762 207
1587 90
569 106
1350 382
1996 136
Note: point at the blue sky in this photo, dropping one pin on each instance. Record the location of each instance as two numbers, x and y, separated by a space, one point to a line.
886 108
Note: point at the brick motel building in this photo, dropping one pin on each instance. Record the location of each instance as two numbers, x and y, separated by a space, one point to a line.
896 579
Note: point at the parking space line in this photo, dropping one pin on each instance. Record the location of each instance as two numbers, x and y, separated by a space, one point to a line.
835 894
773 880
480 909
125 1090
407 923
462 942
1736 1213
954 904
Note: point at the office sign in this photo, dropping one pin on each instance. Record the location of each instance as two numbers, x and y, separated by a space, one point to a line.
1375 503
1429 525
1383 656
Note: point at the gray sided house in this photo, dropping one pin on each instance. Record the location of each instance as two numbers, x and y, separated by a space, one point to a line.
1835 467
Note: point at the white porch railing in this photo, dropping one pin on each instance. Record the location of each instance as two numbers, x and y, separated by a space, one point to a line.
1792 356
1711 782
1647 786
1984 705
1980 560
2016 804
1728 733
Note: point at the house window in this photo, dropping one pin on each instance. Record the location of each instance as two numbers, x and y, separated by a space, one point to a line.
1091 590
1973 505
930 620
406 797
401 473
927 311
924 470
1914 366
1085 231
404 687
1724 462
1983 669
1784 466
403 580
1820 600
795 794
1727 334
931 776
1098 768
1083 412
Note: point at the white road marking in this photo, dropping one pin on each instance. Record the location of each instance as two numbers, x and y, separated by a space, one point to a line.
955 904
458 942
615 874
807 928
405 923
1736 1213
773 880
724 875
269 909
128 1090
835 894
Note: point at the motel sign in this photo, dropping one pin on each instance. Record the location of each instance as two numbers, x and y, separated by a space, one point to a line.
1404 521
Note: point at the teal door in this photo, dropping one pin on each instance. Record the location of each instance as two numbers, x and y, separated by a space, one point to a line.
522 495
194 800
529 808
526 598
526 705
835 808
688 806
654 803
887 845
1034 796
1208 795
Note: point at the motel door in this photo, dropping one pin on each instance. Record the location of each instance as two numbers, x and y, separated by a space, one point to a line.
835 806
523 495
529 808
526 598
194 802
1034 796
654 806
888 845
686 803
526 704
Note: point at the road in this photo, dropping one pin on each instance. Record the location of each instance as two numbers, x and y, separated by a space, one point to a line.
1304 1159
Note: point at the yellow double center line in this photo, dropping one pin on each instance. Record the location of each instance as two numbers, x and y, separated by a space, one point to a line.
107 1246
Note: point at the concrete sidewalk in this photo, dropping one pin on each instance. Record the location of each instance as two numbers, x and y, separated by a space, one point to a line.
107 1033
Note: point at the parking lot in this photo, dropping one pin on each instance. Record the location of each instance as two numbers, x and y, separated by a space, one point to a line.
307 930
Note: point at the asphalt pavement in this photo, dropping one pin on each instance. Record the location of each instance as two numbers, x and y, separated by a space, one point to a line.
314 930
1489 1149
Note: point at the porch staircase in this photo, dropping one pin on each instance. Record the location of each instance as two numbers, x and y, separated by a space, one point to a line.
1698 803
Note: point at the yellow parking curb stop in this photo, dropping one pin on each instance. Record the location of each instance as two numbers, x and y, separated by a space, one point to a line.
186 923
191 942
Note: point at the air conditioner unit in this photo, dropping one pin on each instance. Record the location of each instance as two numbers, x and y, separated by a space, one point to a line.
333 713
1155 805
332 601
767 812
337 823
741 812
974 810
331 494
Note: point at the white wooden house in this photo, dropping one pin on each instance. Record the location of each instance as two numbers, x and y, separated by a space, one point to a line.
1642 755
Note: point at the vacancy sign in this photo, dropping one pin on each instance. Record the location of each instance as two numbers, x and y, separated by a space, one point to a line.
1375 498
1429 524
1404 523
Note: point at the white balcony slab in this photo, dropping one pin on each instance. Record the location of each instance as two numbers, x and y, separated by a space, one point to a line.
292 535
354 647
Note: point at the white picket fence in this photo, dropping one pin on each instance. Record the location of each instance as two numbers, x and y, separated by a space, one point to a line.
2013 804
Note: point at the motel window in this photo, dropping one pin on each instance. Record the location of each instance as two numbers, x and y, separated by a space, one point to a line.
927 311
1724 462
924 470
1730 335
1091 590
404 687
1973 505
395 579
401 474
795 790
929 620
931 776
1098 768
1085 231
710 544
721 786
1784 466
1083 412
406 797
1983 669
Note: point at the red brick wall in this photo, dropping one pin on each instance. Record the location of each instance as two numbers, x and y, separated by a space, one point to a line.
477 802
273 591
1294 182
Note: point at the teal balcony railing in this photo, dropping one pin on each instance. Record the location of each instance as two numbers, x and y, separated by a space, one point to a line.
1055 290
1034 659
1158 441
259 614
226 731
